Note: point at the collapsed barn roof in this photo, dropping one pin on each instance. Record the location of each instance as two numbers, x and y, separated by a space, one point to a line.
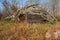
34 11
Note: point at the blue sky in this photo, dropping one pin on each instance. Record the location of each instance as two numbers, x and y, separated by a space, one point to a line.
24 1
43 2
1 6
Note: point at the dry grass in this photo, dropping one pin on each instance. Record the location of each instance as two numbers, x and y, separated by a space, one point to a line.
25 31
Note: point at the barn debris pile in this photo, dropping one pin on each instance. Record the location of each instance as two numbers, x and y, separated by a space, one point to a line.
33 13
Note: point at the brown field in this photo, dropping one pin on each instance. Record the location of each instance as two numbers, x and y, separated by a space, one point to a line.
26 31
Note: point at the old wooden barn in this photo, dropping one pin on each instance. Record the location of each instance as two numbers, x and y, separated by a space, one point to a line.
33 13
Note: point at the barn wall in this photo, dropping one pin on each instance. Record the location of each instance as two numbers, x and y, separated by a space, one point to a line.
34 18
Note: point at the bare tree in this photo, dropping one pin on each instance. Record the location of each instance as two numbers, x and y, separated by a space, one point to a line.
10 8
55 6
34 2
6 7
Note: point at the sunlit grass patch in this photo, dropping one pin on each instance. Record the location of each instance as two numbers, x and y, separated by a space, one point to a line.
3 22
